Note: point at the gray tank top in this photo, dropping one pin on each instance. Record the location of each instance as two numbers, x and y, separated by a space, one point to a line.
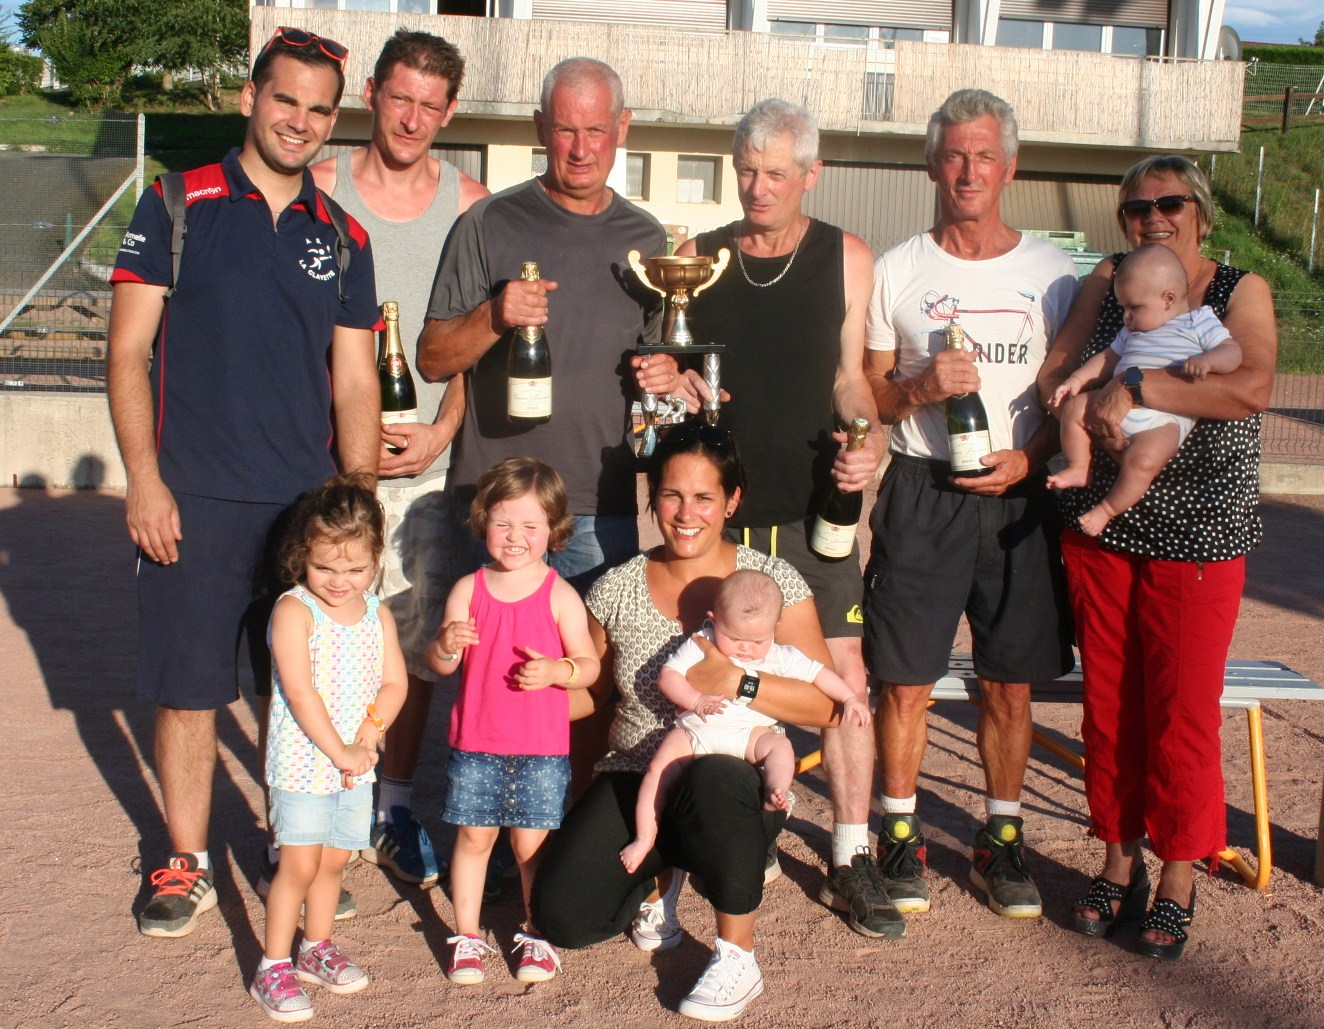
404 257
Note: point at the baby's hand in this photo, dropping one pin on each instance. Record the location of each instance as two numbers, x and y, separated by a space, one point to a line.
356 759
856 712
708 705
1064 392
454 636
1198 367
540 671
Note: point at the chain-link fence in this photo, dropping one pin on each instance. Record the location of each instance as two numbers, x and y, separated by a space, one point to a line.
71 184
1273 79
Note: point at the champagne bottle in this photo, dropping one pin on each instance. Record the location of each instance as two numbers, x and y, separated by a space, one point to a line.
967 423
839 513
529 369
399 401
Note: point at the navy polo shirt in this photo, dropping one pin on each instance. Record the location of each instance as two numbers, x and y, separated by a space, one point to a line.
240 373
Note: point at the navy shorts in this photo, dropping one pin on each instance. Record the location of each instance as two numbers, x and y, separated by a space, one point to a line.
192 614
939 552
836 583
522 791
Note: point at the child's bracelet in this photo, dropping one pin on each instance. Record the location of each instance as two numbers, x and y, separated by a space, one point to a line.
442 653
574 670
376 719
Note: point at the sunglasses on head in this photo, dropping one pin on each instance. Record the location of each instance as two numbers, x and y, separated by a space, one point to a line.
680 434
1166 205
338 52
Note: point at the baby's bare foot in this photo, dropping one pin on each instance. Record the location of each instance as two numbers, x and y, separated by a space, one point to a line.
1070 477
775 799
1094 521
633 854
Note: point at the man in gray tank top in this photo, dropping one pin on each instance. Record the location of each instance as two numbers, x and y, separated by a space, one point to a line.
408 200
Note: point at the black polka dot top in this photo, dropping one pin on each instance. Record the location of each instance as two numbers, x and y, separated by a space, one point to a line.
1203 505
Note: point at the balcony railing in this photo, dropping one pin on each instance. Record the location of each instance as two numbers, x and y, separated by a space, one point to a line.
713 78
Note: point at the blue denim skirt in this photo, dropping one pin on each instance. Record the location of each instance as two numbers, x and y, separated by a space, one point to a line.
523 791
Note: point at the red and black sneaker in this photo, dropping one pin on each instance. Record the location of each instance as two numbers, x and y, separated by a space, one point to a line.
902 858
183 892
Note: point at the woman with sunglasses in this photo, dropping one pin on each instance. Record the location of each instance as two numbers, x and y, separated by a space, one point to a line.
715 826
1155 596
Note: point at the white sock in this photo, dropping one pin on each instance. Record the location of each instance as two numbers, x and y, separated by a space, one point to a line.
1005 808
897 805
204 861
748 955
848 840
308 945
393 793
267 962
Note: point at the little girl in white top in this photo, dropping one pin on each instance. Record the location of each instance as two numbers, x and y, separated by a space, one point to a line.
338 683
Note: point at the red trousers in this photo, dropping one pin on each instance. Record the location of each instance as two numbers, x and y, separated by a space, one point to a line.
1153 638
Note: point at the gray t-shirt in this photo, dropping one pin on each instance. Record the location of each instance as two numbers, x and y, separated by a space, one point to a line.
597 318
403 258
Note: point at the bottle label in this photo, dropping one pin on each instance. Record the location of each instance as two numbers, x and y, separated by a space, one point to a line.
832 540
398 417
967 449
393 365
529 398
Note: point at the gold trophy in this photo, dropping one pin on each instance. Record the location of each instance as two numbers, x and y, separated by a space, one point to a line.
679 280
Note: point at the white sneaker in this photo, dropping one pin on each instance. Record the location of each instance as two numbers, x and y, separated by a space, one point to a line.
731 980
656 926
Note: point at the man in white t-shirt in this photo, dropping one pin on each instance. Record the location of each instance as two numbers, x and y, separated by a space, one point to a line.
979 545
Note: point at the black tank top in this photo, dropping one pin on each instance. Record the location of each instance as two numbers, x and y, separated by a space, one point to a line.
782 344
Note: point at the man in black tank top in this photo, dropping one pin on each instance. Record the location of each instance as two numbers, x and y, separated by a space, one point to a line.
790 309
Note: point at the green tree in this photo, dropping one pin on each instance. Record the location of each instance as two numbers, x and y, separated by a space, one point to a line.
209 36
91 44
1317 41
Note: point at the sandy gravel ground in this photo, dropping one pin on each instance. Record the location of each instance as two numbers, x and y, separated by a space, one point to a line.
81 806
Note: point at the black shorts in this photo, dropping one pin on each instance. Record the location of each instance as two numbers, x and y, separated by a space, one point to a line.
192 614
938 552
836 583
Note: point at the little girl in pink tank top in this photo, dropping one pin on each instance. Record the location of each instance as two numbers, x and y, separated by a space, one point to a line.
523 633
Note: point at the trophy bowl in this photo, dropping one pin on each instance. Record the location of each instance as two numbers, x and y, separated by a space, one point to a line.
679 280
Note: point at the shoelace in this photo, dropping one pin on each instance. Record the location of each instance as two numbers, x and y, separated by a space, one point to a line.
537 950
651 915
176 880
469 949
720 977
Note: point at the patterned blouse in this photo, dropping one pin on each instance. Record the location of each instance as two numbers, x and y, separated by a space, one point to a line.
1203 505
347 663
642 639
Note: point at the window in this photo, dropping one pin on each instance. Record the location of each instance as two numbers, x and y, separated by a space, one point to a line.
851 35
696 180
636 176
1012 32
1137 42
538 164
1077 37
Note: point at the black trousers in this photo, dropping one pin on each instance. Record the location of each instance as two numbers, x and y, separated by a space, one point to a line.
714 826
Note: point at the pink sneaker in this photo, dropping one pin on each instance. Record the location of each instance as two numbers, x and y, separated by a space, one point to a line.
326 965
278 991
466 967
538 960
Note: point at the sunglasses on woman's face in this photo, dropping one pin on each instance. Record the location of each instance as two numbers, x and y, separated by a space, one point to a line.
338 52
1166 205
681 434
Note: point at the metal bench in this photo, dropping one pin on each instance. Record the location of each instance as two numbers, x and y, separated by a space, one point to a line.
1245 685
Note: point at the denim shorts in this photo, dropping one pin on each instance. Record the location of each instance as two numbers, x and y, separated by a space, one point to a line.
342 820
523 791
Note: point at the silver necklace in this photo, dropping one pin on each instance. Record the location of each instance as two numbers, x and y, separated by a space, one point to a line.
740 260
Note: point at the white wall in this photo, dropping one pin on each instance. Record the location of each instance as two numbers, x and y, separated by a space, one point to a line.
61 439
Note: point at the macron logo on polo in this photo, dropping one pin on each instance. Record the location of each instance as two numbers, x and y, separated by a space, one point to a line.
209 191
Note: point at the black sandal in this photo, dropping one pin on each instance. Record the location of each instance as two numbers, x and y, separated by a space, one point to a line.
1167 916
1130 899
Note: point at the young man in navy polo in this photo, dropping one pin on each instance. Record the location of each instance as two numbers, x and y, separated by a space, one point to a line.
225 399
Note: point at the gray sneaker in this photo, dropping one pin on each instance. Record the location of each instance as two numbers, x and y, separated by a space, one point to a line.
857 889
998 868
901 860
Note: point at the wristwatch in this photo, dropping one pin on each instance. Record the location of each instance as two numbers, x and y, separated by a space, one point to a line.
748 689
1133 379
